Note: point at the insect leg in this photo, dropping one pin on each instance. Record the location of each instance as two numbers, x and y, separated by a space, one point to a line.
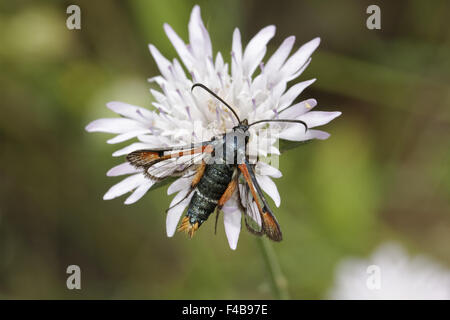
198 174
228 192
197 177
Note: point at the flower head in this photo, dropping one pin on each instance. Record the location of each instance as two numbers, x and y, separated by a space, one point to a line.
390 274
255 89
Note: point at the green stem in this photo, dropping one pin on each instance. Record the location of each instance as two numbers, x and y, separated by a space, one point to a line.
277 280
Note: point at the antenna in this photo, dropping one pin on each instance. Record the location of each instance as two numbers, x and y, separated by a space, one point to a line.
217 97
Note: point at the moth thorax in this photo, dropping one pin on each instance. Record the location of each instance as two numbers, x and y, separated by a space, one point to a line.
233 149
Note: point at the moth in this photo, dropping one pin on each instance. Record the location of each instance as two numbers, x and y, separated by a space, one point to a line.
219 168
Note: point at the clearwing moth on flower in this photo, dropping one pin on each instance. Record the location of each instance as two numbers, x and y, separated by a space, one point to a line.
182 136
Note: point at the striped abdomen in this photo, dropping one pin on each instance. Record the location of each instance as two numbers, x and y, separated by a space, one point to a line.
211 187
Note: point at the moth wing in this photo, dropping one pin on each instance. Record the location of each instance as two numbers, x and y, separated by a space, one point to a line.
159 164
269 224
252 216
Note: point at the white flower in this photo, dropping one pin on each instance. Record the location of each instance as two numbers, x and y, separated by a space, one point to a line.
390 274
181 114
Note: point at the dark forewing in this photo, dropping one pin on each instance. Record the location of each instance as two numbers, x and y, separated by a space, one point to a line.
257 205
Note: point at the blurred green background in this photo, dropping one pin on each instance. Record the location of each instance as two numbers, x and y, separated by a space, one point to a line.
382 175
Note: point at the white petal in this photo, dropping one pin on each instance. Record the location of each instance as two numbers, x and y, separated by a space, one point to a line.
237 45
121 169
179 46
299 58
277 59
278 90
179 72
265 169
230 206
297 133
256 48
299 72
113 125
161 98
130 111
153 141
163 64
270 188
259 41
251 64
124 186
274 150
132 147
219 62
298 109
179 184
318 118
198 35
236 59
318 134
174 214
293 92
232 223
139 192
126 136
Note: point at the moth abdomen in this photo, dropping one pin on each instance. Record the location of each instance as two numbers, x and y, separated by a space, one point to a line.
211 187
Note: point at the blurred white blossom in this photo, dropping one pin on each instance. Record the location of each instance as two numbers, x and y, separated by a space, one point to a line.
391 274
